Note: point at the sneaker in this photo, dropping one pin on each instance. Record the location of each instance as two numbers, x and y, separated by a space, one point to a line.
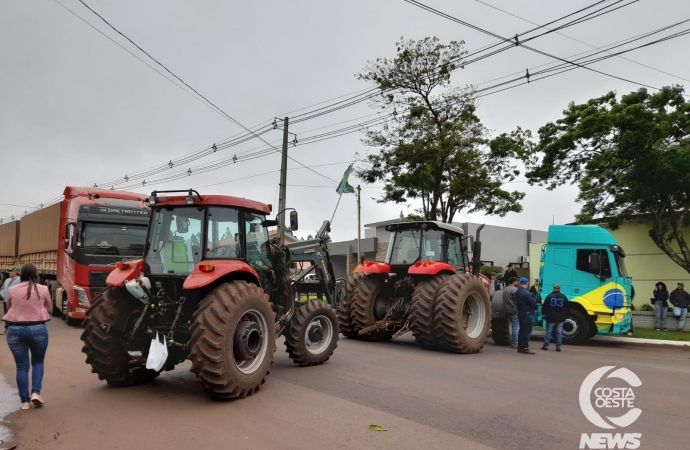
514 347
544 348
558 349
526 351
629 333
657 328
25 406
36 399
665 329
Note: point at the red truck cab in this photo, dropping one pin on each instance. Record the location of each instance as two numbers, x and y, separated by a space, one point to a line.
97 229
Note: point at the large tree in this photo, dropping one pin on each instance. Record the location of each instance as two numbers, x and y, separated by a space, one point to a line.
631 160
432 146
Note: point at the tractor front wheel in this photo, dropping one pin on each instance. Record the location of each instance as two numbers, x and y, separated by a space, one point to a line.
232 340
312 335
368 307
463 314
345 309
106 354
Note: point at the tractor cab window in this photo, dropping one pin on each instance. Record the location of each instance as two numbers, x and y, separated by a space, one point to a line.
454 251
257 241
174 245
432 248
406 247
223 233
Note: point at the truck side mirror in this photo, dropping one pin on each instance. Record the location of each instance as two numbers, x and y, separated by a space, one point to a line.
293 221
182 224
594 263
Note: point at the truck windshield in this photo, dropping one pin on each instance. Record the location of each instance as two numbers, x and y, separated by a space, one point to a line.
112 239
174 244
620 262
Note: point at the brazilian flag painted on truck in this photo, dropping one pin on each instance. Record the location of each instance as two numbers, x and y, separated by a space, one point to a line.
589 265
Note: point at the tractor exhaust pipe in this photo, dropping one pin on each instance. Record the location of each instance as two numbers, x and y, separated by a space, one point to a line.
477 252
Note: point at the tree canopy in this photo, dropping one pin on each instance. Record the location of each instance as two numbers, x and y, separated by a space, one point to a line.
631 160
432 146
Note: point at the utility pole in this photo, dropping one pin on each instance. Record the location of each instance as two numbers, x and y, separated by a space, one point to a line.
359 227
283 184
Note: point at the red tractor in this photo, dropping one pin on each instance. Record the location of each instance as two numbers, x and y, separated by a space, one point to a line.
424 287
218 289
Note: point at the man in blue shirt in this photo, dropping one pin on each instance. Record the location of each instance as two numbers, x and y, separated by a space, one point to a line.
11 281
555 310
526 307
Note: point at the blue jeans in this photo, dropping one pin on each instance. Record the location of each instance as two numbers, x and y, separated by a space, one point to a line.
525 330
515 325
660 312
550 326
681 319
21 339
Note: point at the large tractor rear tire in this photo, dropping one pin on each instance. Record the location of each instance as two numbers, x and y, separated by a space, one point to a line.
422 309
364 300
232 340
500 331
106 354
345 311
462 314
312 335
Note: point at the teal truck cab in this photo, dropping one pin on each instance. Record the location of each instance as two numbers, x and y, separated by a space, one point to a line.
589 265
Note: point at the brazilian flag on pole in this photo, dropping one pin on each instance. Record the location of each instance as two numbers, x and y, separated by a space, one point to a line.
344 187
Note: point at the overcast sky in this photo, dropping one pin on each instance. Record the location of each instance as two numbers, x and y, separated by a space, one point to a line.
77 109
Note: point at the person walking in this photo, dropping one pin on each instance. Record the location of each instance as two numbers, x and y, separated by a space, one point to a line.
526 307
11 281
554 309
511 311
29 307
680 299
660 302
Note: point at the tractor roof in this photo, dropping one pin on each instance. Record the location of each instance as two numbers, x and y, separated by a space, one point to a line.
430 224
212 200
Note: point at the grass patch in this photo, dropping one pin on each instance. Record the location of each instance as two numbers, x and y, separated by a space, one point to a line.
665 335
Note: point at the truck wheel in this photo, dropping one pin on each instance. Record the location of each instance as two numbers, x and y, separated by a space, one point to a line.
232 342
462 314
345 310
71 322
422 309
312 334
368 307
576 328
108 355
57 312
593 330
500 331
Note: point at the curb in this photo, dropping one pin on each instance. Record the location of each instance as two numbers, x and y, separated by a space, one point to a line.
628 340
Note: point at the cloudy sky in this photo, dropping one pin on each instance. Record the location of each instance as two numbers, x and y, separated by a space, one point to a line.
77 109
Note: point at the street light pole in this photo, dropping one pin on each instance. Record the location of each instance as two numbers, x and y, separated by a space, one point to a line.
283 184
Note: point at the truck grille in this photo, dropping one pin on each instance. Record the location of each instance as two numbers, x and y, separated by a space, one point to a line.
97 280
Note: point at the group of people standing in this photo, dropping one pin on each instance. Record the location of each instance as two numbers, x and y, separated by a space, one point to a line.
521 304
679 298
27 307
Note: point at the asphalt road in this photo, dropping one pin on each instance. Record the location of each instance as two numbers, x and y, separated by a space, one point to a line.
426 399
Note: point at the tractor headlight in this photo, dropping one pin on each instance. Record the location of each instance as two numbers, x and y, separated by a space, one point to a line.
82 298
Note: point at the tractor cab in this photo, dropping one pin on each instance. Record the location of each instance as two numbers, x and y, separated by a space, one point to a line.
423 248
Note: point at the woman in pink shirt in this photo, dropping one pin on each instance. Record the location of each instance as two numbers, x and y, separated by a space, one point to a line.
29 306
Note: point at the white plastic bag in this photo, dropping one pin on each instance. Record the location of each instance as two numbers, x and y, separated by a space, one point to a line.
676 312
158 353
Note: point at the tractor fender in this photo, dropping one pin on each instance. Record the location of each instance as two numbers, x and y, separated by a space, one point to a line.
221 269
374 267
497 309
129 271
431 268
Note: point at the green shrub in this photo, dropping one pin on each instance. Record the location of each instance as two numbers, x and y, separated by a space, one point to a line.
647 307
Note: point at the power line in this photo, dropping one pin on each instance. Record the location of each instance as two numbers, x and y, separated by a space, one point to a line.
580 41
474 27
